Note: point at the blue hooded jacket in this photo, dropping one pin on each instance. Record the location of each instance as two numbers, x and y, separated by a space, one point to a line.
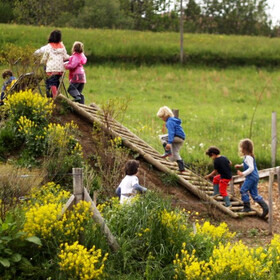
174 129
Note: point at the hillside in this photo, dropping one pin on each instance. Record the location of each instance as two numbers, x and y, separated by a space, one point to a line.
251 230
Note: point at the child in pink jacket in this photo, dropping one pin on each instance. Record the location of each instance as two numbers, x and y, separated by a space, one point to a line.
77 76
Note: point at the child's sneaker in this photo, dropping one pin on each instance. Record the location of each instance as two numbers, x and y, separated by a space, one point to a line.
166 154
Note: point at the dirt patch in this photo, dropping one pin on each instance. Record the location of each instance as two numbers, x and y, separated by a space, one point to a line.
252 230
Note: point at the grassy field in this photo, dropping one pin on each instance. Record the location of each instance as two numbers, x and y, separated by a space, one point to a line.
216 106
149 47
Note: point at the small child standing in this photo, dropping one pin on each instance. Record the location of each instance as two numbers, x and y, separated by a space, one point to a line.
172 142
77 76
250 185
9 80
222 168
130 183
54 56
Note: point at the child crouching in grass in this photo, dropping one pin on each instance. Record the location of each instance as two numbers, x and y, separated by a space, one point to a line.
129 185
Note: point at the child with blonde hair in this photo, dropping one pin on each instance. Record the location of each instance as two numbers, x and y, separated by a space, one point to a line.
77 76
173 141
250 171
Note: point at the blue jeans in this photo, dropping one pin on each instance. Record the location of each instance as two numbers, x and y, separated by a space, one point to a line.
250 186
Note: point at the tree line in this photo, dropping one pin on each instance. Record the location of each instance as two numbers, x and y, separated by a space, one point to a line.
243 17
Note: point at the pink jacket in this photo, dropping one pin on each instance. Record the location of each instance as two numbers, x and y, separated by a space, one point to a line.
76 69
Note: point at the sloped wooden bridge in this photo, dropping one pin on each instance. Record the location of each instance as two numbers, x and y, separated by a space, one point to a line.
193 182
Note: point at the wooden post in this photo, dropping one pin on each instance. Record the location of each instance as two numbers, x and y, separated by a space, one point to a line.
278 180
176 113
99 220
270 205
273 139
181 33
231 185
78 184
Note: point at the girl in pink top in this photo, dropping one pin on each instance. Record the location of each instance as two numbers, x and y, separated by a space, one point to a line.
77 76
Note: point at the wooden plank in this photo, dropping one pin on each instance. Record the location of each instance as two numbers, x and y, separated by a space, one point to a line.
99 220
262 174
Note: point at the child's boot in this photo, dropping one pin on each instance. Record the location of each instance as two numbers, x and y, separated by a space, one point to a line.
216 190
167 152
247 207
54 91
264 207
181 165
227 201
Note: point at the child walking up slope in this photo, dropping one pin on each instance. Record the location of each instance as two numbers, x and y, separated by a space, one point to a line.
77 76
250 185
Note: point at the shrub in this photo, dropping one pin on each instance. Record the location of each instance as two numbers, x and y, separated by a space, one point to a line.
15 183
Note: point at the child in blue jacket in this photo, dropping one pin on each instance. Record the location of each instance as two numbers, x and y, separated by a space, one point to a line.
172 142
9 80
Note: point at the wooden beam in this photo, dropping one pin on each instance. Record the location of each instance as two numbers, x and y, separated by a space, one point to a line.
99 220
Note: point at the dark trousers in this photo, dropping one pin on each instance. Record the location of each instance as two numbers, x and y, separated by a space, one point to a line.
52 81
75 90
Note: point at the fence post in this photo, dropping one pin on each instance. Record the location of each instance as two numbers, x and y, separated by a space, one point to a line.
278 181
273 139
78 184
176 113
270 187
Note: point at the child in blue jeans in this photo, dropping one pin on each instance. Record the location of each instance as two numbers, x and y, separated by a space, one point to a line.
250 171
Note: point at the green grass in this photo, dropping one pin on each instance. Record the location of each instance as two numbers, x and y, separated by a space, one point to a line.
103 45
216 106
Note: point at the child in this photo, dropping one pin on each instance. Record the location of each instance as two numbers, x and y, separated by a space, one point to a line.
246 148
130 183
222 168
9 78
175 138
77 75
54 56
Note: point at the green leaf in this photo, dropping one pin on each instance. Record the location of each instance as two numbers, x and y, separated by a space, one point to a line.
35 240
16 257
5 262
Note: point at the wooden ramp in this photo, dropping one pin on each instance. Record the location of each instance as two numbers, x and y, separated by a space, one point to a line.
193 182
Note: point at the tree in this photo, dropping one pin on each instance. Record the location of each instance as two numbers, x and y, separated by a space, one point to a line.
235 17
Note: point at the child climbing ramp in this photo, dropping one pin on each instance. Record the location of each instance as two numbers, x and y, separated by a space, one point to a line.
174 140
222 174
54 55
250 171
77 76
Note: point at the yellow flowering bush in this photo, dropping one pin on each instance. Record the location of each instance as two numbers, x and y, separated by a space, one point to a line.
173 221
31 105
274 253
81 264
44 219
49 193
187 266
219 232
58 135
237 260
